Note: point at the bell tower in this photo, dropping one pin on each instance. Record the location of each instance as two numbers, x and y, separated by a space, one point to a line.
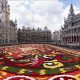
71 11
71 14
4 11
5 20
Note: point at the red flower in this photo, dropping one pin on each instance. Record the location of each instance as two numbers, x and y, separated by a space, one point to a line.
38 62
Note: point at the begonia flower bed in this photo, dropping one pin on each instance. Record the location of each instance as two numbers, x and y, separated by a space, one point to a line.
39 60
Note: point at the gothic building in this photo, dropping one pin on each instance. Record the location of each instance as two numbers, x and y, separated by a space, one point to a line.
56 36
28 35
8 28
71 29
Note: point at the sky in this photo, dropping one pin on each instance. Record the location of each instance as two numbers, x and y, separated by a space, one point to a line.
41 13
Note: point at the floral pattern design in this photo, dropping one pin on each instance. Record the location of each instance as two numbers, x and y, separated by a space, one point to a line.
38 60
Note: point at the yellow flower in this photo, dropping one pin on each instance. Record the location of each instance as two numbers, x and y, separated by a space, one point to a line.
62 70
0 76
55 64
4 68
77 77
42 72
3 73
77 66
41 78
36 56
21 71
10 53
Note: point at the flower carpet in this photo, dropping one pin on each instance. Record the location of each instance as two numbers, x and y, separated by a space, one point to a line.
38 62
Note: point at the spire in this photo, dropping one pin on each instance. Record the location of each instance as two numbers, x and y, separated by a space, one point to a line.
71 10
15 22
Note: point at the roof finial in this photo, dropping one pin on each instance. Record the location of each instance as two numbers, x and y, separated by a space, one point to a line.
71 10
71 6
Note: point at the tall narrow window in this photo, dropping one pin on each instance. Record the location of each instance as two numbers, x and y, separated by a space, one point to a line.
2 7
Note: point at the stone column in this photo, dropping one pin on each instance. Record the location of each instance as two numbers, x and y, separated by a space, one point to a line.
71 39
63 39
76 39
79 39
68 39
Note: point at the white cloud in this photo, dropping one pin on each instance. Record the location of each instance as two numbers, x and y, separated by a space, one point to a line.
38 13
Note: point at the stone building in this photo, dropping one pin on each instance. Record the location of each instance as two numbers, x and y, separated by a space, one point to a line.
71 29
56 36
8 28
28 35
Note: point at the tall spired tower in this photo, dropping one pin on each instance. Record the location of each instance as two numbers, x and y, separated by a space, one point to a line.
71 10
4 11
8 28
71 13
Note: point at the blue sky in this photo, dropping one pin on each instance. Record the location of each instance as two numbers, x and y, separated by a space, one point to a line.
41 13
68 2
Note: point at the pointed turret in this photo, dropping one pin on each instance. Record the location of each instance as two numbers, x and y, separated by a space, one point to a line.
71 14
71 11
15 22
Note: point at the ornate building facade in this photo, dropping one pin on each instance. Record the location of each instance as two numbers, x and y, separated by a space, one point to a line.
71 29
8 28
28 35
56 36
